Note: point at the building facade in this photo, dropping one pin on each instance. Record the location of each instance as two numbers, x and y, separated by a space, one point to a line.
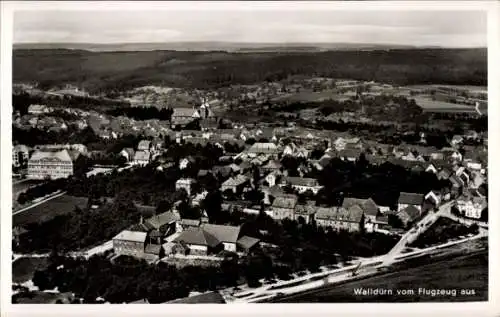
50 165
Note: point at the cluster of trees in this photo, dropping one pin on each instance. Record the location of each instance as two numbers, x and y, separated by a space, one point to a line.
128 279
21 102
41 190
79 229
72 135
143 113
410 66
442 231
382 183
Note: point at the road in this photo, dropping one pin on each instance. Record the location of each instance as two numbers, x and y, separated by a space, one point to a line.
55 195
412 234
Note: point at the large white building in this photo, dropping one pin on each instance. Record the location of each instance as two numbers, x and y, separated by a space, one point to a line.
50 164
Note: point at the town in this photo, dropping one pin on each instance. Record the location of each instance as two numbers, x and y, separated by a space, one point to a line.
240 193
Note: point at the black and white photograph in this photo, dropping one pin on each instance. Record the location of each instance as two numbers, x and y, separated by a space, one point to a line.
234 153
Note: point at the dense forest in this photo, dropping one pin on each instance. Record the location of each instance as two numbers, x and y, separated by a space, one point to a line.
103 71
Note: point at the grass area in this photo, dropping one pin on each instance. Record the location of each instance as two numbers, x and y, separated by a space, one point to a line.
24 268
46 211
443 230
311 96
429 105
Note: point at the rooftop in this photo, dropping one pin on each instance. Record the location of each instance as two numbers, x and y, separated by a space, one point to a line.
134 236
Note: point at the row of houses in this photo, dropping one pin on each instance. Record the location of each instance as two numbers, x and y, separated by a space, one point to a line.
192 237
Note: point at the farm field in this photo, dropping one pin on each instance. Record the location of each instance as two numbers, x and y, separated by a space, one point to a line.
52 208
310 96
470 88
429 105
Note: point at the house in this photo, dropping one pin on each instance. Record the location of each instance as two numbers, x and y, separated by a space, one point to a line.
20 155
144 145
339 218
264 148
350 155
471 207
410 199
369 207
235 184
182 116
45 164
185 162
210 238
284 207
38 109
303 184
433 197
130 243
247 244
228 235
408 214
293 150
186 224
444 174
271 166
128 153
186 184
304 212
142 158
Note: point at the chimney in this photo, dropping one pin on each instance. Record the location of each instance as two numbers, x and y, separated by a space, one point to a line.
141 221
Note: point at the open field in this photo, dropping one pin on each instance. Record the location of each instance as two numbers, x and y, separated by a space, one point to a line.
429 105
46 211
24 268
311 96
464 87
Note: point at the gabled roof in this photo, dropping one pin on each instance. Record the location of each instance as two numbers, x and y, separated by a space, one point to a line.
61 156
134 236
163 219
411 199
247 242
222 233
183 112
266 148
367 205
272 164
198 236
411 211
190 222
286 201
305 209
236 181
302 181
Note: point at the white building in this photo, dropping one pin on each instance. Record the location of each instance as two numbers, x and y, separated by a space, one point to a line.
471 208
50 164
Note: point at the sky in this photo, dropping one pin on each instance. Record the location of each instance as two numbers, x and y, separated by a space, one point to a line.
419 28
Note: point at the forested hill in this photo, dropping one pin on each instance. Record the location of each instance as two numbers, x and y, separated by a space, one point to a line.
120 70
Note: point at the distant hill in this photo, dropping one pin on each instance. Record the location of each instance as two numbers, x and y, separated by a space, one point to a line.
97 71
208 46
